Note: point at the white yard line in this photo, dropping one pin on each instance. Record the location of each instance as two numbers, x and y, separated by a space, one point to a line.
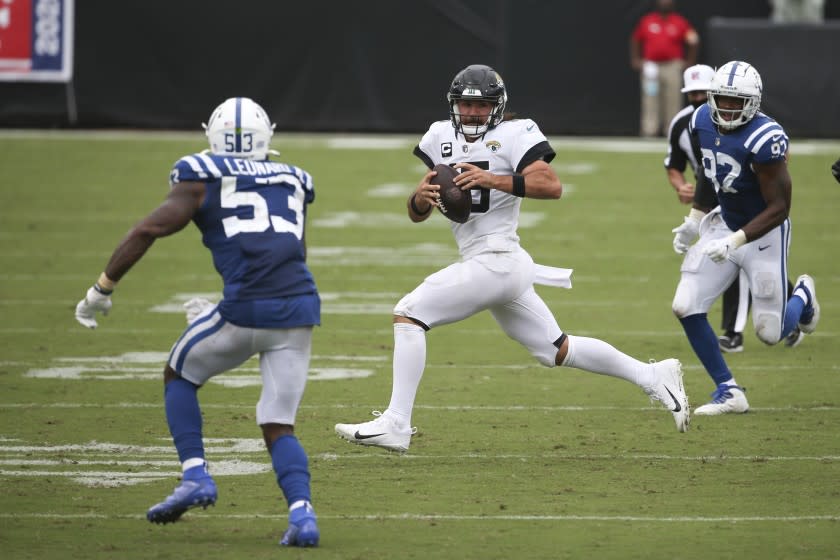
447 517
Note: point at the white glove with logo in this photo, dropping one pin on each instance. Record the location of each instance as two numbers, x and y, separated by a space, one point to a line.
685 234
94 301
195 307
719 249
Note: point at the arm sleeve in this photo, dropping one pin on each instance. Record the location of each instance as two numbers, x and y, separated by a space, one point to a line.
675 158
424 157
705 196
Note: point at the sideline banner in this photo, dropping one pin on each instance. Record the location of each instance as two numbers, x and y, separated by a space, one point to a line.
36 40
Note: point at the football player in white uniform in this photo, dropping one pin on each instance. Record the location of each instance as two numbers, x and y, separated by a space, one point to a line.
744 155
501 161
250 212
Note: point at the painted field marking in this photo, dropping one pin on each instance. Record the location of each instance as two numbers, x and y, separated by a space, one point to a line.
448 408
446 517
147 366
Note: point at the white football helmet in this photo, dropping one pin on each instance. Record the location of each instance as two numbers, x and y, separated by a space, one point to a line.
239 127
735 79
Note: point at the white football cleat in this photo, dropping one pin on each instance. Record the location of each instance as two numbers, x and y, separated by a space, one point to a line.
668 389
810 326
727 399
381 432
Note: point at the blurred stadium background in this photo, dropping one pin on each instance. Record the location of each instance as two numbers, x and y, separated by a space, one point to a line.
383 66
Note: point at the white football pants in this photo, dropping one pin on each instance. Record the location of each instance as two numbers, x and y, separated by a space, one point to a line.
501 283
210 345
763 260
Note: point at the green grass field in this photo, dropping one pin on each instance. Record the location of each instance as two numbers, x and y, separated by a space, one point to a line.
511 460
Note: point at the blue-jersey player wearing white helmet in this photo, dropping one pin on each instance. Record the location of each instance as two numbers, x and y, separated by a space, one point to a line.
744 155
250 212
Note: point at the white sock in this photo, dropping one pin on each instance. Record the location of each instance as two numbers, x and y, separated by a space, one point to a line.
597 356
194 462
409 363
298 504
801 294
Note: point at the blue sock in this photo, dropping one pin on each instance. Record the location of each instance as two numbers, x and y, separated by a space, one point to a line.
703 340
184 417
292 468
793 313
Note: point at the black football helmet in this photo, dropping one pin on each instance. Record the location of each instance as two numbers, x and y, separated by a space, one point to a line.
479 83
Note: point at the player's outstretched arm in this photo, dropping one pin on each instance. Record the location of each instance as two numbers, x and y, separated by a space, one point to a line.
171 216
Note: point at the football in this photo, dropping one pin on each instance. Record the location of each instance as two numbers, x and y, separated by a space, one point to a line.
455 204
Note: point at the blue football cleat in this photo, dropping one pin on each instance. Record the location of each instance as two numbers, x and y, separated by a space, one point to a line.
303 527
195 490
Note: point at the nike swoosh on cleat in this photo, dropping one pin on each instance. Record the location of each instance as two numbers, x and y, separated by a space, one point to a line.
357 435
676 403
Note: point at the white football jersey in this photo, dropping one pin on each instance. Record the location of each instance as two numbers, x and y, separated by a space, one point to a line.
503 150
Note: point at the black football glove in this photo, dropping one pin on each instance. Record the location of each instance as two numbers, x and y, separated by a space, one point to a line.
835 170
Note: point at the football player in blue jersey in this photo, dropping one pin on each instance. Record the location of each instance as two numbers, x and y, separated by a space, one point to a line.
250 212
744 156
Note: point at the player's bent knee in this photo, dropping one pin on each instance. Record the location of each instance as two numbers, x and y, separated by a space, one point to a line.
681 306
545 359
768 328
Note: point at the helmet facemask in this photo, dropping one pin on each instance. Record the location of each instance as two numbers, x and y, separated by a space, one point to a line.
239 127
737 80
477 83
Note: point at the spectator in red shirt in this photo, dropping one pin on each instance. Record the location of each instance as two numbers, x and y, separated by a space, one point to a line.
662 45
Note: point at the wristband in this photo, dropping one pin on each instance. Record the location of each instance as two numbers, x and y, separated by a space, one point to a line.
738 238
414 206
518 185
696 215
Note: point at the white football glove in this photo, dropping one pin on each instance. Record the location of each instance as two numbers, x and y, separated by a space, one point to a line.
195 307
719 249
685 234
94 301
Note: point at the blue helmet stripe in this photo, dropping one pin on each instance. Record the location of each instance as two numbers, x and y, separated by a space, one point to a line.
732 74
238 133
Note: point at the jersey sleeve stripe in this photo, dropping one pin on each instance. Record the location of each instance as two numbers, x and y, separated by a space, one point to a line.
692 122
194 165
422 155
210 165
759 131
541 150
757 146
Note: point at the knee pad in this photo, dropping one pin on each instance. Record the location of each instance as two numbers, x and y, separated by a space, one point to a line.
768 325
683 306
768 328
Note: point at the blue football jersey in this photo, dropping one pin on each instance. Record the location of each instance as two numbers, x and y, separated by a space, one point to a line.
252 220
728 159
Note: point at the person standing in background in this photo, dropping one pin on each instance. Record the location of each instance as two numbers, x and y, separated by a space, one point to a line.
662 45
